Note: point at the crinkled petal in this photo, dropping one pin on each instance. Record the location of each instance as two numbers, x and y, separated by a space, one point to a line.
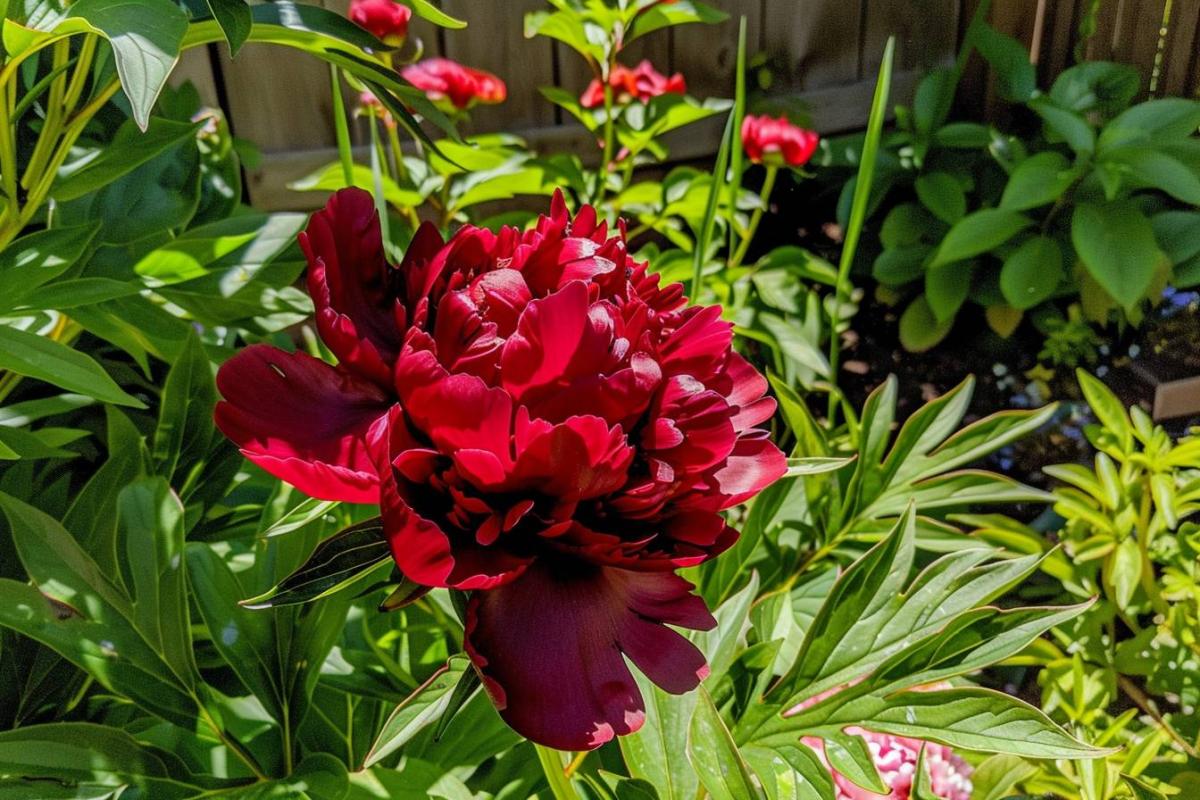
302 420
358 312
549 647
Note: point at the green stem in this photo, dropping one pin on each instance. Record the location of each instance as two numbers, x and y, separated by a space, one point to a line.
341 127
765 200
1148 580
858 213
52 125
40 191
234 746
609 144
83 70
556 776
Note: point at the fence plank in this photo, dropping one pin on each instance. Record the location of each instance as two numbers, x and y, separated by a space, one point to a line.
279 98
925 30
1179 63
707 54
812 43
196 66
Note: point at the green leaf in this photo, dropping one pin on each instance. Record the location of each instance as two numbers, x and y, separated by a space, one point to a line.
85 617
662 15
1067 126
979 232
93 755
337 562
849 756
1040 179
1178 234
185 419
1124 570
76 292
1116 244
244 638
1016 77
431 13
943 195
151 517
146 37
874 612
995 778
45 359
967 718
235 20
896 266
919 328
658 752
420 709
946 288
816 465
1032 272
1160 120
1096 85
1149 168
37 258
790 772
715 756
331 177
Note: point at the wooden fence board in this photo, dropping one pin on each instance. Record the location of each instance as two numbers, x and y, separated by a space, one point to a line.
1180 57
813 43
926 33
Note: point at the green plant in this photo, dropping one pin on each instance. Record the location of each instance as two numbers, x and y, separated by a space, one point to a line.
1123 672
1092 203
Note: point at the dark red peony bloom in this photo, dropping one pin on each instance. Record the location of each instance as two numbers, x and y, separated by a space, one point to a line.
386 20
777 141
448 81
543 425
640 83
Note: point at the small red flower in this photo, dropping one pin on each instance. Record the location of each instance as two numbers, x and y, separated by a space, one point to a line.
386 20
449 81
543 425
777 141
640 83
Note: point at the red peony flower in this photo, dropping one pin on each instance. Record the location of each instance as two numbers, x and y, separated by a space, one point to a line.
386 20
445 80
640 83
543 424
777 141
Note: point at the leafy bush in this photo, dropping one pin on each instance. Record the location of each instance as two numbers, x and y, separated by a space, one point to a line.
1093 203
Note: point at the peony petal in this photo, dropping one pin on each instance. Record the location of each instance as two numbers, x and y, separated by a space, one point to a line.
577 459
354 289
754 465
302 420
747 396
423 550
549 648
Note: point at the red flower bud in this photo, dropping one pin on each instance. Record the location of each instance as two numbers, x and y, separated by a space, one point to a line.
777 141
386 20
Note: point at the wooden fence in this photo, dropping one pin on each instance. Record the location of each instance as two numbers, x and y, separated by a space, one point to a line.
822 56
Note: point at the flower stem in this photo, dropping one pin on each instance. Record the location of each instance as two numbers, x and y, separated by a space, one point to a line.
609 144
552 765
341 127
756 217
